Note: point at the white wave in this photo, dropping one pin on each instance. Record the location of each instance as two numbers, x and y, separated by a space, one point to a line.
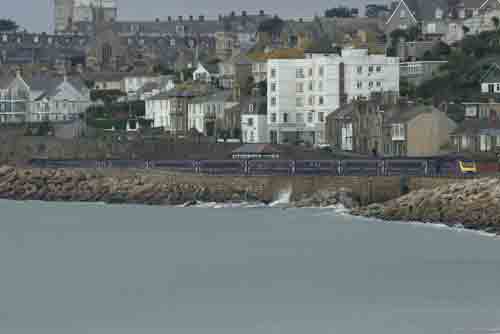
282 198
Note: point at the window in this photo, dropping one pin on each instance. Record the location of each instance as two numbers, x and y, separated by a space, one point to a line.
310 117
273 87
379 68
321 71
320 86
250 108
299 102
285 118
273 118
310 72
300 117
273 73
250 121
321 116
311 86
299 73
370 84
172 42
360 69
359 85
403 26
273 101
370 69
321 100
498 141
402 13
379 84
300 87
398 132
431 28
310 100
439 13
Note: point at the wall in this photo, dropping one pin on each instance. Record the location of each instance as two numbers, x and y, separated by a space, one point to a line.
427 133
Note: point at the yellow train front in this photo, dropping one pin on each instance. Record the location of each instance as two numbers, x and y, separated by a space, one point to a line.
467 167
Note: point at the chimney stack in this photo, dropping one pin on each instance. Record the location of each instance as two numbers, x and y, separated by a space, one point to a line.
202 18
261 13
180 18
244 13
170 19
220 18
191 18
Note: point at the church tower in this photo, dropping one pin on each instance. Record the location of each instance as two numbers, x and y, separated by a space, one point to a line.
63 15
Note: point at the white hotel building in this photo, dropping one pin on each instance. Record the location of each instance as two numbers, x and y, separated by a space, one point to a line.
302 92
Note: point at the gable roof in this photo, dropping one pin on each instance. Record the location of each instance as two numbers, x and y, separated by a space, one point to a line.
402 3
492 74
478 126
405 113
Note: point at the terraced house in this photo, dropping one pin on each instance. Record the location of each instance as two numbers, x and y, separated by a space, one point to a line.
42 98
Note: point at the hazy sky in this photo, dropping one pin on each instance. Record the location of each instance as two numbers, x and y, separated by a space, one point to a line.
37 15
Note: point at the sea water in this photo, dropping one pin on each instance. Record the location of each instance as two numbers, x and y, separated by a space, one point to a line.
93 268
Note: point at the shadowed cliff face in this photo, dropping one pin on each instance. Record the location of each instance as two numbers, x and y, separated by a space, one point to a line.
475 204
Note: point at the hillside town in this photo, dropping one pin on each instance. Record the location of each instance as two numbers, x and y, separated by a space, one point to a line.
408 79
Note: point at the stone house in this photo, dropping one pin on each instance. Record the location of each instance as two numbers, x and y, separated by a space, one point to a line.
416 130
389 128
358 126
480 131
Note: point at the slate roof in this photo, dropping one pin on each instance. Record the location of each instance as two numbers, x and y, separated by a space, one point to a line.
478 127
426 9
214 96
405 113
492 75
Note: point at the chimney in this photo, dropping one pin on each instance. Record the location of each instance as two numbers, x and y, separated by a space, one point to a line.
170 19
202 18
301 20
157 20
261 13
180 18
244 13
191 18
233 14
220 18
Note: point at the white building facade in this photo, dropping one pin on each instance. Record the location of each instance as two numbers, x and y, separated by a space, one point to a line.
303 92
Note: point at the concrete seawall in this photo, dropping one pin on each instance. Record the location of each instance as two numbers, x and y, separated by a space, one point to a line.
159 187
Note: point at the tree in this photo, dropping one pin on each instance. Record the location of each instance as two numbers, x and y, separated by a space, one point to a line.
376 10
8 25
496 22
342 11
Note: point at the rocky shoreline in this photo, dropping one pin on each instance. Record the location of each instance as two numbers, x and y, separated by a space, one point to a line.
92 186
472 204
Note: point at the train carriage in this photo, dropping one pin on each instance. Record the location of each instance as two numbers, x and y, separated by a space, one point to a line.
270 167
405 167
222 167
316 167
126 164
188 166
361 167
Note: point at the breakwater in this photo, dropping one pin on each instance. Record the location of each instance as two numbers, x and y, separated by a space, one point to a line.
169 188
473 204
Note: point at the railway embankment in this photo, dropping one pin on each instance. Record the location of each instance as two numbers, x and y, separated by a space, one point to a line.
473 204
